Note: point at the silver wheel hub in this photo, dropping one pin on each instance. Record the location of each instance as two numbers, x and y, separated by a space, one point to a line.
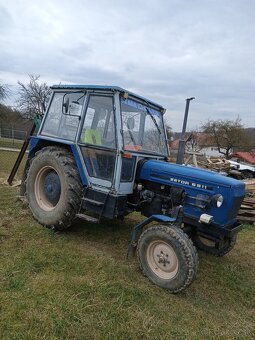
162 259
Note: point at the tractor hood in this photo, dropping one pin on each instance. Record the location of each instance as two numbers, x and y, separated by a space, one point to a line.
170 173
199 185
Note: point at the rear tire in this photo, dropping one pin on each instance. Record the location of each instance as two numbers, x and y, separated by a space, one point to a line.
167 257
209 246
53 187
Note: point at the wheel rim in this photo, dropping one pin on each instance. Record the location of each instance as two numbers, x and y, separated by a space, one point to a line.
47 188
162 259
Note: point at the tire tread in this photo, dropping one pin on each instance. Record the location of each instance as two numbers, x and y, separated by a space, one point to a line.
74 189
191 256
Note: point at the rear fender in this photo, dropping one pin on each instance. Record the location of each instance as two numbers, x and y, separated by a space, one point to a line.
38 143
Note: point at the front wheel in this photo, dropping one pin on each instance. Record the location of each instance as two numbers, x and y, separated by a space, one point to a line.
167 257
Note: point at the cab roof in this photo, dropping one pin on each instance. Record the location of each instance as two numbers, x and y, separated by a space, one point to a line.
103 88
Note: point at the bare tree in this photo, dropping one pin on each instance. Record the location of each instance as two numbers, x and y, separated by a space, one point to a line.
226 135
4 92
169 131
193 141
32 97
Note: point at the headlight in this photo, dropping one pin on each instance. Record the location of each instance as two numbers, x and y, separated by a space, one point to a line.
217 200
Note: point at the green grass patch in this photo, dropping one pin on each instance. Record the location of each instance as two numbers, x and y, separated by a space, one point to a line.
78 285
7 160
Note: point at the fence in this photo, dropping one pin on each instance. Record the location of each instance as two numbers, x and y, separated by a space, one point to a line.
10 144
12 133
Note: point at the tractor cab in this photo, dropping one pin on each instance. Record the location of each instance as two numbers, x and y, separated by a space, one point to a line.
111 128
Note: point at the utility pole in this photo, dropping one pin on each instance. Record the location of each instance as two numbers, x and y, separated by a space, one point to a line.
181 149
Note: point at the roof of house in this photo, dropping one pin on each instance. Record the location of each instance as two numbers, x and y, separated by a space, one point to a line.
248 157
201 138
174 145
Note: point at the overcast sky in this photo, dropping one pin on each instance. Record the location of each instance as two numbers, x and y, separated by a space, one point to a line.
166 50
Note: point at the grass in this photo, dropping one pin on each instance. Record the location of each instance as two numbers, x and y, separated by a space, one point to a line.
78 285
7 160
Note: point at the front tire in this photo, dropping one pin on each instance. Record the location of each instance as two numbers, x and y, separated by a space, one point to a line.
53 187
167 257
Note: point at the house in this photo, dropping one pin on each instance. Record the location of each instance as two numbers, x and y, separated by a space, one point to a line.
196 142
248 157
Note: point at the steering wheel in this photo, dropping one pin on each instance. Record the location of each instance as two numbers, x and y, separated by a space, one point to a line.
108 142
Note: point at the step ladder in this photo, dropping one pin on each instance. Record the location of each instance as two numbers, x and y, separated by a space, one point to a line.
96 204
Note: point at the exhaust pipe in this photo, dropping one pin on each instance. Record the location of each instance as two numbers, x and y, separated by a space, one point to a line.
181 149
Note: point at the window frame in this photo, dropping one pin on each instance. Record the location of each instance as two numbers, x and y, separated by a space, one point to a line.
85 109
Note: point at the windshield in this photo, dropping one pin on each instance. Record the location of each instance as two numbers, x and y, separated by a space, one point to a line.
143 128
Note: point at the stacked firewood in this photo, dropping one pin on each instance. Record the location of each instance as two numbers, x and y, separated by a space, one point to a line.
246 213
215 164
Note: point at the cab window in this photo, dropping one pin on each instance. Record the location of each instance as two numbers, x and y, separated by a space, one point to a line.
99 124
61 125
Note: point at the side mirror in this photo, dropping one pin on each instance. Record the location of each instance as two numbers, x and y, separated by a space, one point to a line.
65 105
75 109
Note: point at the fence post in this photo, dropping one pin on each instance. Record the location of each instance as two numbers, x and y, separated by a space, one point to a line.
12 136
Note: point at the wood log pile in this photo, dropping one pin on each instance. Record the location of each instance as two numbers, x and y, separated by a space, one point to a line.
246 213
216 164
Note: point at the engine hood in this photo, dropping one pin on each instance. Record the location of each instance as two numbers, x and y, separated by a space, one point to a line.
198 185
170 173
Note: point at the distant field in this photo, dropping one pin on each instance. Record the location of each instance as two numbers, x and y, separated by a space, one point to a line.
78 285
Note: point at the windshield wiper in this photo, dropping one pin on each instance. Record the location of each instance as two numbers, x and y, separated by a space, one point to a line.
154 120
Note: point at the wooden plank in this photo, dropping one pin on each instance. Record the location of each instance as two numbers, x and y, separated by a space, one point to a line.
248 204
249 199
249 184
247 213
243 218
248 207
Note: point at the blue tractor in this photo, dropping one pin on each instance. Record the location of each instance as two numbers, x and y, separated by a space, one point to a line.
102 151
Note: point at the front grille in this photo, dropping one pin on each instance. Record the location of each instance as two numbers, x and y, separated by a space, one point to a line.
235 207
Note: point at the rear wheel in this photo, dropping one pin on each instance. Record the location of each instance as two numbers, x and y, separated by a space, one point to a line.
53 187
210 246
167 257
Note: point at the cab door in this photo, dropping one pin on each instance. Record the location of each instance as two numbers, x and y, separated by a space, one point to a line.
97 140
